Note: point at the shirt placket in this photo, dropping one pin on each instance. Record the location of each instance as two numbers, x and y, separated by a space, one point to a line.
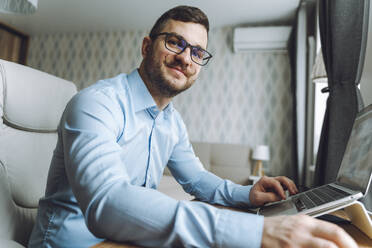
154 113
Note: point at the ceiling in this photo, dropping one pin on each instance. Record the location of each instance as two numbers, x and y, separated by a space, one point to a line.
55 16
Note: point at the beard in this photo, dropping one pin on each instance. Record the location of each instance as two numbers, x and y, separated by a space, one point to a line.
165 87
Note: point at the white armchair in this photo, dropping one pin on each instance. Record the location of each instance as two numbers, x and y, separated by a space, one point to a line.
31 104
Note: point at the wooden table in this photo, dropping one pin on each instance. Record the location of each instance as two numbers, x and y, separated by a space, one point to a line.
362 240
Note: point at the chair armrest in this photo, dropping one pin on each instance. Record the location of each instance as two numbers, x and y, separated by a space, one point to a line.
10 244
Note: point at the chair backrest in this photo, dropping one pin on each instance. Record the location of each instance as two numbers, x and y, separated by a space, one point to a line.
31 104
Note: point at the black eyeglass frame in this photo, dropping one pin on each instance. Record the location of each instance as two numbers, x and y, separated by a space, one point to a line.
167 35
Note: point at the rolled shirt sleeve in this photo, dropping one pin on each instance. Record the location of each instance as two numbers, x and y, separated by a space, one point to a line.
204 185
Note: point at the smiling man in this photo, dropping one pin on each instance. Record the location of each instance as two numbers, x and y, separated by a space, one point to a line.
116 137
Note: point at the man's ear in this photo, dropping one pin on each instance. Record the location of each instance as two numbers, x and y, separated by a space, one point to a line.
146 46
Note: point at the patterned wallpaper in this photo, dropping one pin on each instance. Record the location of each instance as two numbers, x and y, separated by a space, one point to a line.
241 98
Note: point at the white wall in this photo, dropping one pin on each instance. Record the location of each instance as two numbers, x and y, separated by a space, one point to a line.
240 98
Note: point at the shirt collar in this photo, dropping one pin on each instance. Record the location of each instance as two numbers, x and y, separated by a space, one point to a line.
141 96
169 108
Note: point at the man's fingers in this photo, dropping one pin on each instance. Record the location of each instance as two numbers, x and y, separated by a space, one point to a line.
269 189
271 183
303 231
335 234
288 183
318 242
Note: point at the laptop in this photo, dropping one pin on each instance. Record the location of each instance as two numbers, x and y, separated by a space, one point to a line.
352 182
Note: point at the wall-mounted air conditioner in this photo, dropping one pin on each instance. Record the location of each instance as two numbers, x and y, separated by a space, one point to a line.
270 39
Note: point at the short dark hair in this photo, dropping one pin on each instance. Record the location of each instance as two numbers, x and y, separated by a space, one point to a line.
181 13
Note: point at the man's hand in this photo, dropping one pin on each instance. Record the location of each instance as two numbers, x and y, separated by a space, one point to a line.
303 231
270 189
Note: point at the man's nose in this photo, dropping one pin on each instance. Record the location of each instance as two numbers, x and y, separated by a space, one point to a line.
185 56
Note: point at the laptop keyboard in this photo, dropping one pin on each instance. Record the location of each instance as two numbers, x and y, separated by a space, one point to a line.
317 197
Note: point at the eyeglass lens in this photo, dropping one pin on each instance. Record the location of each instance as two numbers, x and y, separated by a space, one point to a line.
178 45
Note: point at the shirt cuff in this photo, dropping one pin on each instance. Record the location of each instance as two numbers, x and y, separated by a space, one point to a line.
241 196
239 229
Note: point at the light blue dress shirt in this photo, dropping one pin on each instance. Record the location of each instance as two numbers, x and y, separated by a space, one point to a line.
113 145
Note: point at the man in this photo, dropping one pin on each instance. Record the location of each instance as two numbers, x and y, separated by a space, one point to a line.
116 137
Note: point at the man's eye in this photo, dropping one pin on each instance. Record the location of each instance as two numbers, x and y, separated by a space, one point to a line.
181 44
176 43
172 42
198 53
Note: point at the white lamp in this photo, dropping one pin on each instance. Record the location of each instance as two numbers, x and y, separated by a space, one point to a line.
260 153
24 7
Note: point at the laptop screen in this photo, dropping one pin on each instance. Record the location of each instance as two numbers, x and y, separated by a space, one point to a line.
356 166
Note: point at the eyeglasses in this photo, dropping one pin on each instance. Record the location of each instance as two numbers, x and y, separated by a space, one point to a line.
175 43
